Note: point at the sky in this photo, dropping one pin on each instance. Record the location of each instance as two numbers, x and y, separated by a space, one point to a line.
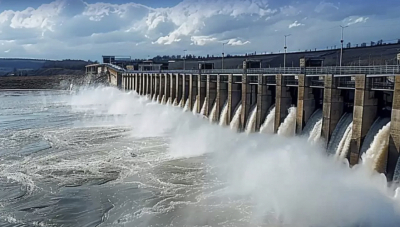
88 29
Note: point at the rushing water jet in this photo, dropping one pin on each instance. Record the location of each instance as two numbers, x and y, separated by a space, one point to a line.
235 123
288 127
223 118
251 123
344 145
195 107
204 107
376 156
315 134
268 126
213 113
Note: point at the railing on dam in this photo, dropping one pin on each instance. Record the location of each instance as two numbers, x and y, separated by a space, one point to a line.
336 70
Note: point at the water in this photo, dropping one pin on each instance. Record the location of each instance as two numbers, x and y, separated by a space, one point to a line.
235 123
181 103
223 119
195 107
163 99
338 132
378 124
186 108
169 101
288 127
376 156
268 126
204 107
213 113
251 123
175 103
315 134
102 157
158 98
310 125
344 144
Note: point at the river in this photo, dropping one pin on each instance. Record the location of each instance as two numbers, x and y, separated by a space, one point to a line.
103 157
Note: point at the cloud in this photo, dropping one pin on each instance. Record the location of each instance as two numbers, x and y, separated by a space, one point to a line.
295 24
76 29
355 20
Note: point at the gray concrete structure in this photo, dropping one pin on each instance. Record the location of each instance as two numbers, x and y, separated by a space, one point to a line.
298 87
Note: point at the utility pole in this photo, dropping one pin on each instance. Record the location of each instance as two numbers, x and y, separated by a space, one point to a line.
341 49
284 54
223 53
184 60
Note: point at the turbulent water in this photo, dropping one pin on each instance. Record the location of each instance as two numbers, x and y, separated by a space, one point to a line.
251 123
268 125
376 156
213 112
288 127
102 157
186 107
315 134
195 107
224 115
204 107
235 123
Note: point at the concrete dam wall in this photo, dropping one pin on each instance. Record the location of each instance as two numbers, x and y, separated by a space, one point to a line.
355 115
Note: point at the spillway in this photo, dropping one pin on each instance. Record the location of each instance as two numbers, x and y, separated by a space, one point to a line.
194 110
288 127
343 148
315 134
235 123
375 158
204 107
186 107
312 121
251 123
268 125
224 115
213 113
163 99
338 132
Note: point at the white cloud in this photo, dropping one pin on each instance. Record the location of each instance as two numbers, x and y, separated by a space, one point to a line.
355 20
75 29
236 42
295 24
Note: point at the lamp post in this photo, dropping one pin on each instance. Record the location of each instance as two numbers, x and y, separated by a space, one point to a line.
223 53
341 49
184 60
284 54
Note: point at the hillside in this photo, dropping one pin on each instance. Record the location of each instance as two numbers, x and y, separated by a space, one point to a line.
40 67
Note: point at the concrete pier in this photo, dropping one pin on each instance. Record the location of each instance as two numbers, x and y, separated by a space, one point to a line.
201 91
283 101
172 88
394 138
264 101
192 91
234 97
222 95
167 92
364 115
161 90
179 88
246 102
332 107
211 93
305 103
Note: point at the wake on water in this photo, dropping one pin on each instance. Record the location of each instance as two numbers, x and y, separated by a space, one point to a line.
228 178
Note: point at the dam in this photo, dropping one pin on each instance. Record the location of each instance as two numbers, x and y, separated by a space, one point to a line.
354 111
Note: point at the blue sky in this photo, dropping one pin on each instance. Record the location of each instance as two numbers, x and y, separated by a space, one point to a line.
87 29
